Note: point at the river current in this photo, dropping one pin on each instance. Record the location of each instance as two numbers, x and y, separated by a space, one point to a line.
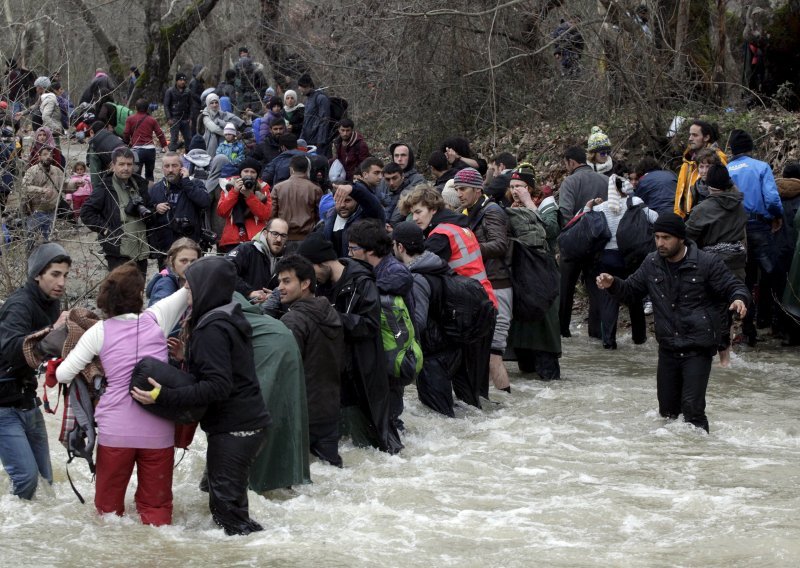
579 472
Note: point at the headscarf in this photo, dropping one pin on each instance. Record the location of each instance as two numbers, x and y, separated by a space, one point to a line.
209 98
291 93
50 142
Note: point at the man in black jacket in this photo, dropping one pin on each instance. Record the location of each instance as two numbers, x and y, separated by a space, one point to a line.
255 261
98 155
178 110
349 285
318 330
178 203
23 438
118 210
686 286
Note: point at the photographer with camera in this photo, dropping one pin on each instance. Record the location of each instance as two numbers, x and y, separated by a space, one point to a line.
120 212
179 204
245 205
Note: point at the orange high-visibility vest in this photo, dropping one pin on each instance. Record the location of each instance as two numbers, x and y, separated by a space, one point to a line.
465 255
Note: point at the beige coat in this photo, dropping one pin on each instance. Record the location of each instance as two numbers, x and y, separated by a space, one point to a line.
38 190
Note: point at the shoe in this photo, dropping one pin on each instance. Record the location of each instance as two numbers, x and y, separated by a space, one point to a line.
648 308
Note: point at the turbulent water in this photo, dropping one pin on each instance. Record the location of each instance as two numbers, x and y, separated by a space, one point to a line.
582 472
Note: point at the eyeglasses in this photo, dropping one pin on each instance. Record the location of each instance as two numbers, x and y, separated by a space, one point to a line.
276 235
351 249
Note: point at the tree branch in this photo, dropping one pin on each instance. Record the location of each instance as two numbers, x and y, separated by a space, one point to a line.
452 12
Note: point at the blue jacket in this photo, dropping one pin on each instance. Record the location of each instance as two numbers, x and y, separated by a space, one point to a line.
161 285
755 180
657 190
317 121
369 207
278 169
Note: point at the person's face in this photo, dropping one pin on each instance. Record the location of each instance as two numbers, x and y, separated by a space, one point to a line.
277 130
303 90
400 156
230 137
634 179
171 166
249 173
668 245
182 260
696 139
41 137
600 157
180 83
347 208
702 169
290 101
372 177
79 170
122 167
422 215
53 281
345 132
517 186
323 272
355 251
394 180
291 287
45 157
277 237
468 196
213 105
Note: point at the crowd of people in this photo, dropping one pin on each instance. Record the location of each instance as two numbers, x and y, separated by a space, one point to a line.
302 283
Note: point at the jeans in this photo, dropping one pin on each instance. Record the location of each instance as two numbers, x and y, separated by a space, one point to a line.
38 222
183 128
24 450
682 379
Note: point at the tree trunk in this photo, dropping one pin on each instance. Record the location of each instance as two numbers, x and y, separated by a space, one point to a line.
681 34
284 64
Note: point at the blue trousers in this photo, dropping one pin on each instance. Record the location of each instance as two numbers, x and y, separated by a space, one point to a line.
24 450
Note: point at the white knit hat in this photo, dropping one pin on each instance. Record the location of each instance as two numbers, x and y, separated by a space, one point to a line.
229 129
42 82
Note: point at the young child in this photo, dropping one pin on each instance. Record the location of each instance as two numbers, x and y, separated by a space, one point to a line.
231 147
79 187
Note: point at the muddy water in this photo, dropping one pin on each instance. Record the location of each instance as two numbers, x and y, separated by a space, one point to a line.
582 472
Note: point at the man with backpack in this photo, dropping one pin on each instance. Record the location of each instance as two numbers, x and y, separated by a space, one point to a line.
317 122
349 285
178 109
369 242
24 450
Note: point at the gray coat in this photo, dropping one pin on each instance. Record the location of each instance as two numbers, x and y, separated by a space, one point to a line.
579 187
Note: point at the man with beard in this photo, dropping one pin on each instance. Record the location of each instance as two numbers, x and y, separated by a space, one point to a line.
39 195
350 148
701 135
686 285
255 260
349 285
351 202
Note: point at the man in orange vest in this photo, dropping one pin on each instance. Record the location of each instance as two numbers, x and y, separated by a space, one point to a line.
701 135
447 236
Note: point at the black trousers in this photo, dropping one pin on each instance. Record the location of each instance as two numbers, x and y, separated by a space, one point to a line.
434 384
544 363
324 441
396 406
570 273
471 381
113 262
682 379
228 460
607 306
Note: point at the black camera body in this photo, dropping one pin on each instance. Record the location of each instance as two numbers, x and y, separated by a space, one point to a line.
182 226
249 183
137 208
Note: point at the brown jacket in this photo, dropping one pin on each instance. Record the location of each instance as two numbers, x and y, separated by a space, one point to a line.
39 189
490 224
296 201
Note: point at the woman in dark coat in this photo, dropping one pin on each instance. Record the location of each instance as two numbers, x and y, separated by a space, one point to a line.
220 355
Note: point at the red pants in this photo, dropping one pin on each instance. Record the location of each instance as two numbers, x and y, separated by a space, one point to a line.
153 472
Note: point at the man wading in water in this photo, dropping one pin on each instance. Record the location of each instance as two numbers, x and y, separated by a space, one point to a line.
686 285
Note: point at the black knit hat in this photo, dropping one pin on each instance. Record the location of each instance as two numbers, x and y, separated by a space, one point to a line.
180 77
526 173
408 233
317 249
251 163
718 177
741 142
670 223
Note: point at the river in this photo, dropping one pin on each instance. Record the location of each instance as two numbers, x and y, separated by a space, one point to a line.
580 472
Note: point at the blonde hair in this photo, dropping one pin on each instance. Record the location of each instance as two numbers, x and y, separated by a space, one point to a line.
425 194
182 244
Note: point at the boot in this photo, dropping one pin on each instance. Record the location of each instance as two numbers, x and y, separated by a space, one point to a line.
497 372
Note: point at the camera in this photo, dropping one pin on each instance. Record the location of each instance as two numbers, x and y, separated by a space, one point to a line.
249 183
137 208
182 226
208 239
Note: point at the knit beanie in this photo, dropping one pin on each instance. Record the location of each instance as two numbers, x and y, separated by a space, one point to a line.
526 173
180 77
250 163
741 142
42 82
598 140
718 177
408 233
317 249
670 223
229 129
211 97
42 256
468 177
450 195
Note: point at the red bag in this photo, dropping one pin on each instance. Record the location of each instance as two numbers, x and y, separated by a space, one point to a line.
184 434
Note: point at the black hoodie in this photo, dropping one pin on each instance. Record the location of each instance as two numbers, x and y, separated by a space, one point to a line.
220 354
318 330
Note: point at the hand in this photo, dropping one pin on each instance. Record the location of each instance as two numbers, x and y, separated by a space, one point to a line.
162 208
389 228
238 184
524 197
739 307
592 202
176 349
185 172
258 296
144 396
604 281
62 319
776 223
80 183
342 193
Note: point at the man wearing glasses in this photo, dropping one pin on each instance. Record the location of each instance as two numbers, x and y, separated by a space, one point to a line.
177 108
255 261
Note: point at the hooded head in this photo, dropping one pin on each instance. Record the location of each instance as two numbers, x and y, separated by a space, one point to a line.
212 280
212 97
42 256
410 165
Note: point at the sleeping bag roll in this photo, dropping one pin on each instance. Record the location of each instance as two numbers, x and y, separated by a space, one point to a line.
168 377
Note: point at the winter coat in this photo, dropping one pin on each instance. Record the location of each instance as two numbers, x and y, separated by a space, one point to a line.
319 333
139 131
270 149
685 299
255 267
187 199
687 177
317 119
177 104
98 153
27 310
100 212
219 355
761 198
278 168
390 198
365 381
440 244
657 190
284 459
427 271
720 218
51 113
352 153
39 189
161 285
255 220
100 90
295 118
368 208
296 201
214 125
392 277
578 188
490 224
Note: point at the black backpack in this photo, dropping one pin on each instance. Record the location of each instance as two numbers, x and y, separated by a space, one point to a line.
584 237
635 235
535 281
467 312
338 107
